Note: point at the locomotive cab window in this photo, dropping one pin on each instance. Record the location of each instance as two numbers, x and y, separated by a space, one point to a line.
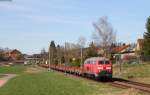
91 62
88 62
103 62
94 62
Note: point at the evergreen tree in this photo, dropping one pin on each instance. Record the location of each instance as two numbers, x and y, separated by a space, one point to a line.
146 46
52 45
53 52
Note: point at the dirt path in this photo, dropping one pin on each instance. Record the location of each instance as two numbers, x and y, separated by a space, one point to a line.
5 79
35 69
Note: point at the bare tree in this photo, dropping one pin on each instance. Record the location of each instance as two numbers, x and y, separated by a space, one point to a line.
82 42
43 51
104 35
66 54
43 55
1 53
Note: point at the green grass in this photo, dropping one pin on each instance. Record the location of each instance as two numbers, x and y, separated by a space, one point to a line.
53 83
15 69
137 72
50 83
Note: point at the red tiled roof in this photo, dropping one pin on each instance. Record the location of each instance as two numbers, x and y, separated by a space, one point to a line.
15 51
120 48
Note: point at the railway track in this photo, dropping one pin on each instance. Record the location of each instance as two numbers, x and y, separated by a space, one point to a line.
120 83
131 84
117 82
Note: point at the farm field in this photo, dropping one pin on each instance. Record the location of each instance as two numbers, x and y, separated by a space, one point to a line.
135 72
33 80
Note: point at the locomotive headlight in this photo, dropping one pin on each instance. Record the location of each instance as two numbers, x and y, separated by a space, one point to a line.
108 68
100 68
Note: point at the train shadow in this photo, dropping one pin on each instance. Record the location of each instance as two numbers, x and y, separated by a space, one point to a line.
102 79
107 80
120 80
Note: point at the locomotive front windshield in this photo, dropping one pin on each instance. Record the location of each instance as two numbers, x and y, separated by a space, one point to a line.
103 62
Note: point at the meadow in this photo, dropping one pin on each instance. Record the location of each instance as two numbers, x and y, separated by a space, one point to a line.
136 72
32 80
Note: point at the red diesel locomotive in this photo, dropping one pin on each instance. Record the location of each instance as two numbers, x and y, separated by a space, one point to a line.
97 67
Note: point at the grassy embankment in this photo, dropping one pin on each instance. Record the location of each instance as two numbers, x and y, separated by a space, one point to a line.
14 69
135 72
36 81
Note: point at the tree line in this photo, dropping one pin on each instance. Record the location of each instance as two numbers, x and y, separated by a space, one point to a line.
69 53
104 38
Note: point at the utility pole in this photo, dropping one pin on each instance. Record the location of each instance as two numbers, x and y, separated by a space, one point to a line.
120 64
82 42
49 57
81 56
66 58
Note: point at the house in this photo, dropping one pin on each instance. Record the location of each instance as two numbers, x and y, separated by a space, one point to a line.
13 55
120 49
140 43
125 52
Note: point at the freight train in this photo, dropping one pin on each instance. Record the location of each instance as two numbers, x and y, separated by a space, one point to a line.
95 67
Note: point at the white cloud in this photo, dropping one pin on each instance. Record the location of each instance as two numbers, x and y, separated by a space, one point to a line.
14 6
33 11
26 5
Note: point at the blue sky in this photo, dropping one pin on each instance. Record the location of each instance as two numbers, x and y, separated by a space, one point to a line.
29 25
